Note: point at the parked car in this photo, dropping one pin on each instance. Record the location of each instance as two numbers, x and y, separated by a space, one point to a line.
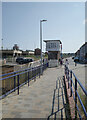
76 59
20 60
23 60
31 60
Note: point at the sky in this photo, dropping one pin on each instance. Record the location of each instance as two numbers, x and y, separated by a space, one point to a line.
21 24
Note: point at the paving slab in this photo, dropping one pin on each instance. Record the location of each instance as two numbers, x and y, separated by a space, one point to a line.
34 101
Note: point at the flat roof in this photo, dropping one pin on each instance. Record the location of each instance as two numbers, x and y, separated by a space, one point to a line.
52 40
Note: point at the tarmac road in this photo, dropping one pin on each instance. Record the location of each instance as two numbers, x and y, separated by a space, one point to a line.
80 71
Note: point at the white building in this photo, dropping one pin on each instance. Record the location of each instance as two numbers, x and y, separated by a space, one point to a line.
54 49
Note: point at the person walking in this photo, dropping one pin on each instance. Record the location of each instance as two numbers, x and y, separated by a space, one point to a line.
66 62
75 64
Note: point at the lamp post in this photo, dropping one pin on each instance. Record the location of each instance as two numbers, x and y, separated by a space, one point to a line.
2 44
41 40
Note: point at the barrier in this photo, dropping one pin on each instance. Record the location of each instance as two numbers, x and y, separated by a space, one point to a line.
72 85
19 78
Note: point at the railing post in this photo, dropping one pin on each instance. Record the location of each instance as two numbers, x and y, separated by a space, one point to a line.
32 72
14 82
65 69
28 78
35 74
39 72
71 83
18 83
68 78
64 79
75 99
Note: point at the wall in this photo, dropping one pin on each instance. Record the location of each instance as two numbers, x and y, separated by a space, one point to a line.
53 46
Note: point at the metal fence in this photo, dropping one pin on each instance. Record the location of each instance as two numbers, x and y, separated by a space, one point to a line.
14 80
73 83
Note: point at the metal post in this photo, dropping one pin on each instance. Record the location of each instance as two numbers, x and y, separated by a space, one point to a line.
32 72
35 74
41 43
75 98
65 69
14 82
39 72
71 83
64 79
2 44
68 78
18 83
28 78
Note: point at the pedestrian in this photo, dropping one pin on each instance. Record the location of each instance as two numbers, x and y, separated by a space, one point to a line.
66 62
75 64
61 62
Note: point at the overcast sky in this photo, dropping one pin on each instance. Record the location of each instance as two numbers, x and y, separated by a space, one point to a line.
65 22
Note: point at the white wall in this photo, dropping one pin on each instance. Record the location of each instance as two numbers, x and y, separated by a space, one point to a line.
52 46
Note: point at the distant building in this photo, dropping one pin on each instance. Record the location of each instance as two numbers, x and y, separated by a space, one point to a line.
37 51
82 52
77 54
15 53
15 47
54 50
11 53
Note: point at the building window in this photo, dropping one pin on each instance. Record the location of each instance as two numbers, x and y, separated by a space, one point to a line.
55 45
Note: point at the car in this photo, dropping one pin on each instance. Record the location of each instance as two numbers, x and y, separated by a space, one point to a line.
31 60
76 59
20 60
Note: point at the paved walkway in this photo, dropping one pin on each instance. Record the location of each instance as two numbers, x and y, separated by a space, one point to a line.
35 101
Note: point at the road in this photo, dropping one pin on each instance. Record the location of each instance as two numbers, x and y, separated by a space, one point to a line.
79 70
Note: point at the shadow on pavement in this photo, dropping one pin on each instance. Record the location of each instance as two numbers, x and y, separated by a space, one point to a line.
60 106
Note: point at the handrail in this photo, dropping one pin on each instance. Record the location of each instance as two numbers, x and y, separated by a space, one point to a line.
16 71
80 84
36 71
68 74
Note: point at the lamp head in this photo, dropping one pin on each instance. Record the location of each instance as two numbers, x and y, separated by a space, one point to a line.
43 20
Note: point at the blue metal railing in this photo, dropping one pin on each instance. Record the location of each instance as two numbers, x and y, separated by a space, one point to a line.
19 78
73 85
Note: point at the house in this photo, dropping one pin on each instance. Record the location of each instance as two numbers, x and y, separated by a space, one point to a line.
82 52
37 51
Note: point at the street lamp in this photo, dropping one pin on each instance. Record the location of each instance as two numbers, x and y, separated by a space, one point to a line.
41 40
2 44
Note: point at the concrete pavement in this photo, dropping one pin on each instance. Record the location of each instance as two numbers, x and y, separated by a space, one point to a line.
34 101
38 100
